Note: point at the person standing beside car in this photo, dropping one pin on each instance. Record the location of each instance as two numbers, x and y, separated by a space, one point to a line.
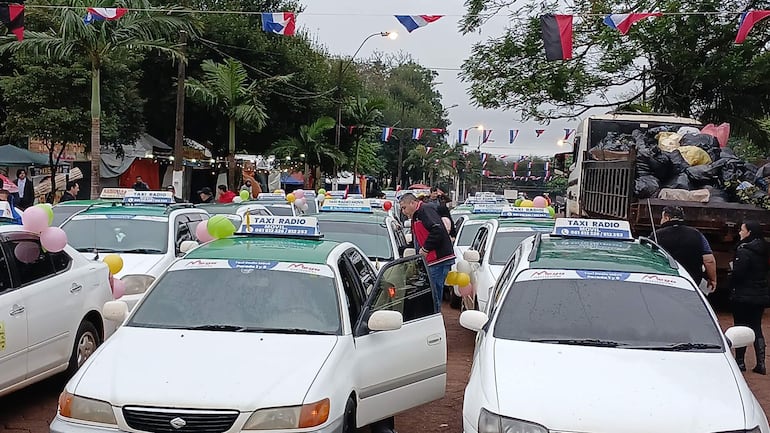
750 294
688 246
26 195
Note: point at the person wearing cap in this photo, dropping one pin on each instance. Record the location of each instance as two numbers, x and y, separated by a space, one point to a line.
206 195
172 190
688 246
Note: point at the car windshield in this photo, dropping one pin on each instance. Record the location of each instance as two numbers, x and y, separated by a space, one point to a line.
373 239
505 244
122 234
280 209
61 213
467 233
636 314
244 299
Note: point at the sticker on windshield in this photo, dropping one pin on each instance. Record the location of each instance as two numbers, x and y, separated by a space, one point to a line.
119 216
251 264
546 274
304 268
664 280
604 275
199 263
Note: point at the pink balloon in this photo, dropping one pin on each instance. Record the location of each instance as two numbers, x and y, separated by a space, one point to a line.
466 290
300 202
298 193
540 202
27 252
118 289
35 219
202 232
53 239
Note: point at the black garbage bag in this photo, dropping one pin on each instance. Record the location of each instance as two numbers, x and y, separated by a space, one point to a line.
678 163
659 163
646 186
704 174
680 181
717 195
704 141
616 142
735 170
641 139
652 132
727 153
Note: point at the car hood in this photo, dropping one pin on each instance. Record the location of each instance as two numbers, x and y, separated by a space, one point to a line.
204 369
134 264
593 389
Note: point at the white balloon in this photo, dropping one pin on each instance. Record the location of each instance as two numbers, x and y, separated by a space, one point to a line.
304 207
463 266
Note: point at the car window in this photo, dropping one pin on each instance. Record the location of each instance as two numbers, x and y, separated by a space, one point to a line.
506 276
5 274
631 313
481 237
405 287
467 234
363 270
373 239
280 209
61 261
244 297
118 233
61 213
485 239
353 295
31 262
505 244
183 231
399 235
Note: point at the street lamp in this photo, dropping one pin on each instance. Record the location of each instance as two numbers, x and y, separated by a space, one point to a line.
389 35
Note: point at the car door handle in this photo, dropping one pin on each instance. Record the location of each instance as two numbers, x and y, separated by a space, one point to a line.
17 309
434 339
75 288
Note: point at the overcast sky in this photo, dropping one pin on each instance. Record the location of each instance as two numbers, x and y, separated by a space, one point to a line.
341 25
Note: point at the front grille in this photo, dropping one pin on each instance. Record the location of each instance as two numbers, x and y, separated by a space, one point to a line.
159 420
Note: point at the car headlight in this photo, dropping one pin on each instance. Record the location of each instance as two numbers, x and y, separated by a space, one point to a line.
137 284
85 409
307 415
492 423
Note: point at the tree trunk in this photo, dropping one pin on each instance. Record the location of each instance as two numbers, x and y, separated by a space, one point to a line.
231 154
96 139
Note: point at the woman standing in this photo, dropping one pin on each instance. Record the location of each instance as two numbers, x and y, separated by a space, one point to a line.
750 293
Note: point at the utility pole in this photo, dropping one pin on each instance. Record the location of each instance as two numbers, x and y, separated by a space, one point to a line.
177 177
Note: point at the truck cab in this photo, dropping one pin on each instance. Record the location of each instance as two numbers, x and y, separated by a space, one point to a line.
593 129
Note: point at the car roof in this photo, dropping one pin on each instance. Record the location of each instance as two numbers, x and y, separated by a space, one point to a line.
266 248
554 252
86 202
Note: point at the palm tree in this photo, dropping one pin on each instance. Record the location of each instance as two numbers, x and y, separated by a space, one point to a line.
100 42
312 143
436 162
363 113
227 87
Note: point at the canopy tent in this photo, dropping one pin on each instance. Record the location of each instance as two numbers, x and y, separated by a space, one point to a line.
292 179
12 156
144 146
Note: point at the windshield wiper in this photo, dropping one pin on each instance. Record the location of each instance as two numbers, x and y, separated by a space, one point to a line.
679 347
579 342
99 250
284 331
217 328
141 251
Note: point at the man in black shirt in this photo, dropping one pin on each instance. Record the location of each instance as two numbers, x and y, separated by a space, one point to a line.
688 246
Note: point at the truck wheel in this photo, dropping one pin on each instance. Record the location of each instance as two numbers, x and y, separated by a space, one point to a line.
87 340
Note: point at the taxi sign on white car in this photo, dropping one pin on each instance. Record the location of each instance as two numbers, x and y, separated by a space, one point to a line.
349 205
148 197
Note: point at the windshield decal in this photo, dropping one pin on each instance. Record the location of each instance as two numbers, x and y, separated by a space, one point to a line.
604 275
119 216
251 264
304 268
563 274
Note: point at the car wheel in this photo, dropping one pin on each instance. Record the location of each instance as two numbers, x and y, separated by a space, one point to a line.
87 340
455 301
349 417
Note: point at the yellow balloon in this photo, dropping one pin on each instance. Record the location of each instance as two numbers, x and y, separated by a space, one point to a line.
278 191
290 198
462 279
451 278
527 203
114 262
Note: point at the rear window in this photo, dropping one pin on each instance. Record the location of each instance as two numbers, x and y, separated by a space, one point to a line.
631 313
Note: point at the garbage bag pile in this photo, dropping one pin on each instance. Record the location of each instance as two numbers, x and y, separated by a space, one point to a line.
686 158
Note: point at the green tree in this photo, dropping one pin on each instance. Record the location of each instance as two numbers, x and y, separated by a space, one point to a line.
99 42
227 88
684 64
312 142
363 113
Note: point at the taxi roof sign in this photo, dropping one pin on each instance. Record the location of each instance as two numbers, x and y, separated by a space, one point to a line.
115 193
280 226
149 197
592 228
525 212
354 205
271 196
489 208
336 193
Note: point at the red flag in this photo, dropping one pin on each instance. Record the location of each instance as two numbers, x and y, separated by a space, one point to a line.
13 18
748 19
557 36
347 189
350 129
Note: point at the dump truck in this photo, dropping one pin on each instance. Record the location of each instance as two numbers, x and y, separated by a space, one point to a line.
601 185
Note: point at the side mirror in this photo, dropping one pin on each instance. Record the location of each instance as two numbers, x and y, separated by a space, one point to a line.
385 320
408 252
473 320
408 237
116 311
187 246
739 336
471 256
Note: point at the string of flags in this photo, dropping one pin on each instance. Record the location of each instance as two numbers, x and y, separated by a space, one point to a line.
557 30
417 133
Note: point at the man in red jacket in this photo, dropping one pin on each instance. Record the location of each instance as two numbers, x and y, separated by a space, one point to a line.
225 196
432 237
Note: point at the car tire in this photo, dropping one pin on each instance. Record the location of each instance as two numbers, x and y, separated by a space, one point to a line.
87 340
349 416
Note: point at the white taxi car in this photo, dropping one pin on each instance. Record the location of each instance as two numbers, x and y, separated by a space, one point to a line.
590 330
274 329
50 309
147 231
